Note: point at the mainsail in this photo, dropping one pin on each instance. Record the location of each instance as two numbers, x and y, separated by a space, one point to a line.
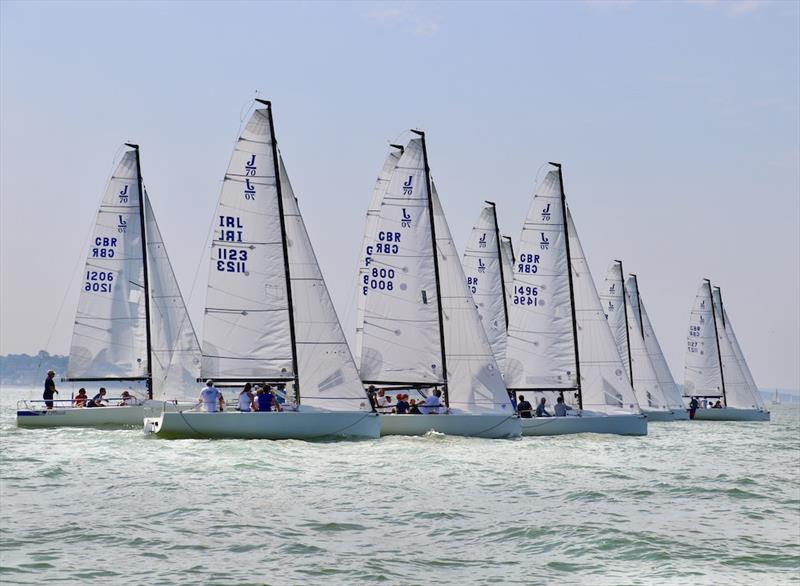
620 312
486 274
670 390
269 315
702 374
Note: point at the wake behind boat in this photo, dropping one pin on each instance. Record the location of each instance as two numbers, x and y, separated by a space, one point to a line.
131 325
268 314
417 325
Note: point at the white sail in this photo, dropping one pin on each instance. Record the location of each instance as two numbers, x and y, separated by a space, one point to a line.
246 334
175 350
604 383
507 258
327 374
401 339
670 390
109 335
619 306
474 380
485 277
738 392
701 369
540 351
367 248
737 350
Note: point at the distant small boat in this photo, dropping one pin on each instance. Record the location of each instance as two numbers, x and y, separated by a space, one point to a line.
131 324
715 367
776 400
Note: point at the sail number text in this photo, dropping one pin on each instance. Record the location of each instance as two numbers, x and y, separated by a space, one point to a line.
98 281
231 260
528 263
526 295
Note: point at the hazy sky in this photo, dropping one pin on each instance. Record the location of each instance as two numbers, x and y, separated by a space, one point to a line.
677 124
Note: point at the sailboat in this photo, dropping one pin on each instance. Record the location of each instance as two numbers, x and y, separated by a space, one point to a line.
418 324
629 336
559 342
715 367
269 316
131 325
489 269
672 394
776 400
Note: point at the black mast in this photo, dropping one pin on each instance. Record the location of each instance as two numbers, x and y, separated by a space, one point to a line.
639 304
284 244
500 260
716 333
429 183
722 313
625 309
571 289
148 361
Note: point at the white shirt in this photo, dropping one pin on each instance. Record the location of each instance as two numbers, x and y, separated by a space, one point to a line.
244 402
209 397
431 405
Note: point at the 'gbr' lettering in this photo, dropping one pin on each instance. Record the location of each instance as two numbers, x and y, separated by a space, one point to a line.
528 263
104 247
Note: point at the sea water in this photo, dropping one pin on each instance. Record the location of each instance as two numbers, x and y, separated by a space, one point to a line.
691 503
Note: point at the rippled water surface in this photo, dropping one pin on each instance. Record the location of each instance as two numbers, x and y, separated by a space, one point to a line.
692 503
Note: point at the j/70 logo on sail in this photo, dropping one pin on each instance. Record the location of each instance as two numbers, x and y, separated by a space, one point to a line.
123 195
249 190
482 241
408 189
546 214
405 221
481 266
122 225
250 167
544 243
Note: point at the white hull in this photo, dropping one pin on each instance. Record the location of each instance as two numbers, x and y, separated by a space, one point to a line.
82 417
680 414
731 414
624 424
659 415
264 425
469 425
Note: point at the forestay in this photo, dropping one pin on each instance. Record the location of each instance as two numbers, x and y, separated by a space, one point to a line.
368 246
327 374
702 370
175 350
604 383
670 390
485 278
246 334
738 392
540 351
619 307
109 335
474 380
400 337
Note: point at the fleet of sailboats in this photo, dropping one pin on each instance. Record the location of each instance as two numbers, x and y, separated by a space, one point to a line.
478 332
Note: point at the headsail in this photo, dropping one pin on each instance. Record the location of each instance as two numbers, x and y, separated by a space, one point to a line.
485 277
737 350
507 258
540 351
702 367
474 379
109 337
401 340
670 390
604 383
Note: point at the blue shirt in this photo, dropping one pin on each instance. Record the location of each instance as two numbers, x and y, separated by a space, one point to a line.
265 401
402 407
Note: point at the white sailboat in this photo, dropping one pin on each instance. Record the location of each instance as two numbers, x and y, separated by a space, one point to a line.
776 400
488 271
672 394
131 324
419 328
559 342
618 306
715 368
269 316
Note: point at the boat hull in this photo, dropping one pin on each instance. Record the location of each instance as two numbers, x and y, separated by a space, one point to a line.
659 415
680 414
264 425
627 424
468 425
131 416
731 414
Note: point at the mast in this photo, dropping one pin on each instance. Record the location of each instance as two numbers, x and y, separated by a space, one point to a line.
148 359
285 247
639 304
571 288
625 309
500 260
429 183
716 333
